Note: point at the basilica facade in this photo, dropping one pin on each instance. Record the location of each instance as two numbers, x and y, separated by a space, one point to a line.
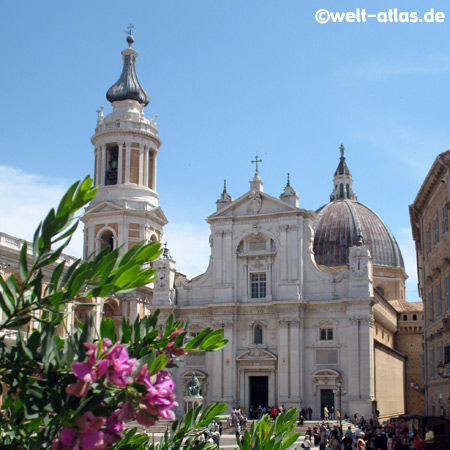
309 300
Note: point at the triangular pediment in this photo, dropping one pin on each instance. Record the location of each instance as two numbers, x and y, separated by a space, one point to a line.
158 213
103 207
154 212
254 203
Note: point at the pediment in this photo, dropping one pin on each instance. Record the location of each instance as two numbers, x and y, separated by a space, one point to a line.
159 214
254 203
103 207
256 353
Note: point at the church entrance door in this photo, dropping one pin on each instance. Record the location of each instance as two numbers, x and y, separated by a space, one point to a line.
326 399
259 391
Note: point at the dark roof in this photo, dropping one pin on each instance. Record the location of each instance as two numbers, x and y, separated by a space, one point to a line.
127 87
337 228
342 168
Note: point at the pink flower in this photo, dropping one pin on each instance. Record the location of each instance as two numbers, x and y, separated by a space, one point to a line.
79 389
158 400
120 365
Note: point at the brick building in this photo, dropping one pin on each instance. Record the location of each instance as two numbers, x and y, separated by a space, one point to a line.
431 232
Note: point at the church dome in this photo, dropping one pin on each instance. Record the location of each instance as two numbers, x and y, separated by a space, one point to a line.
344 221
127 87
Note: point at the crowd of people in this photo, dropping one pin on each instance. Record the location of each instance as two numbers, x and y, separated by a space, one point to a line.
358 434
392 435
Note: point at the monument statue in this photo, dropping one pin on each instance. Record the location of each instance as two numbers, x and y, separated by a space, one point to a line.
193 386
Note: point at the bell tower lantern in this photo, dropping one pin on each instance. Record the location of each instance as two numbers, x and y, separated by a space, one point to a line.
126 144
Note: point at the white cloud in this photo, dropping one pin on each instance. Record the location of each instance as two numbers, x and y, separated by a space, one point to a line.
25 200
189 247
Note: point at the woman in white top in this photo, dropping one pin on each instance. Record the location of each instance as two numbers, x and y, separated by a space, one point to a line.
306 442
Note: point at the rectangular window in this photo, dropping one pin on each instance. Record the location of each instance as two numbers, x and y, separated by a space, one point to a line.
438 300
436 230
258 285
432 363
447 354
326 357
444 219
430 304
447 291
428 241
439 353
326 334
422 366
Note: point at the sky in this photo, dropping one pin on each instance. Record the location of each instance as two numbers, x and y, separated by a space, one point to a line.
229 81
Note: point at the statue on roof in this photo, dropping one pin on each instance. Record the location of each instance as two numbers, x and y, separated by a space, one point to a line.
341 148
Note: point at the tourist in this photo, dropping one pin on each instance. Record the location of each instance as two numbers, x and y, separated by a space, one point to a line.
309 412
361 443
419 441
347 441
334 441
322 439
429 438
326 412
306 442
332 413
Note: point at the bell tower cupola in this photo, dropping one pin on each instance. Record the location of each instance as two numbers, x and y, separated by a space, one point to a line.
126 144
343 181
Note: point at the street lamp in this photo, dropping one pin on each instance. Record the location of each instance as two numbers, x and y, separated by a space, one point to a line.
414 385
339 392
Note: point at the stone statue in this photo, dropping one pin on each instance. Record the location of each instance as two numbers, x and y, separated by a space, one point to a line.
193 386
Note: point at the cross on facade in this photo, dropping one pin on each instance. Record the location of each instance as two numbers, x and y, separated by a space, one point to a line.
256 161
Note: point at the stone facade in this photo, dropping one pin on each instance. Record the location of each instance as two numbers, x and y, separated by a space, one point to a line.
431 231
294 327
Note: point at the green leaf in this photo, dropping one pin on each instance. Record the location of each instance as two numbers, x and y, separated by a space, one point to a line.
108 329
23 261
158 364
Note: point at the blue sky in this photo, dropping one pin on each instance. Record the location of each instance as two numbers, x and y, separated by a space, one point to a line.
229 80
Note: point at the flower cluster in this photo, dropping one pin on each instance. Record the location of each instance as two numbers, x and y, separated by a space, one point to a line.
149 398
91 432
114 362
159 398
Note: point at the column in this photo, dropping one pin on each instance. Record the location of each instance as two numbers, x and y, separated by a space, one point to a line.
127 162
294 358
283 356
120 165
283 254
217 372
141 166
102 165
154 156
272 387
353 369
145 166
229 373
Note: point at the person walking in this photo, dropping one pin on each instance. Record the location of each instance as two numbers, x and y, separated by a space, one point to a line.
429 438
326 413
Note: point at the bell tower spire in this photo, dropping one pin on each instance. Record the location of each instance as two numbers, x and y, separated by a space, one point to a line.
126 208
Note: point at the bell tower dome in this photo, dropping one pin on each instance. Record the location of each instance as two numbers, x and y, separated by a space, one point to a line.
126 144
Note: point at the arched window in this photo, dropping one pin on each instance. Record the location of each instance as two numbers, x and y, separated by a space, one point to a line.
414 317
107 239
347 188
258 334
341 191
405 317
380 290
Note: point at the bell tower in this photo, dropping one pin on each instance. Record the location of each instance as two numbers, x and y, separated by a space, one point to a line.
125 210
